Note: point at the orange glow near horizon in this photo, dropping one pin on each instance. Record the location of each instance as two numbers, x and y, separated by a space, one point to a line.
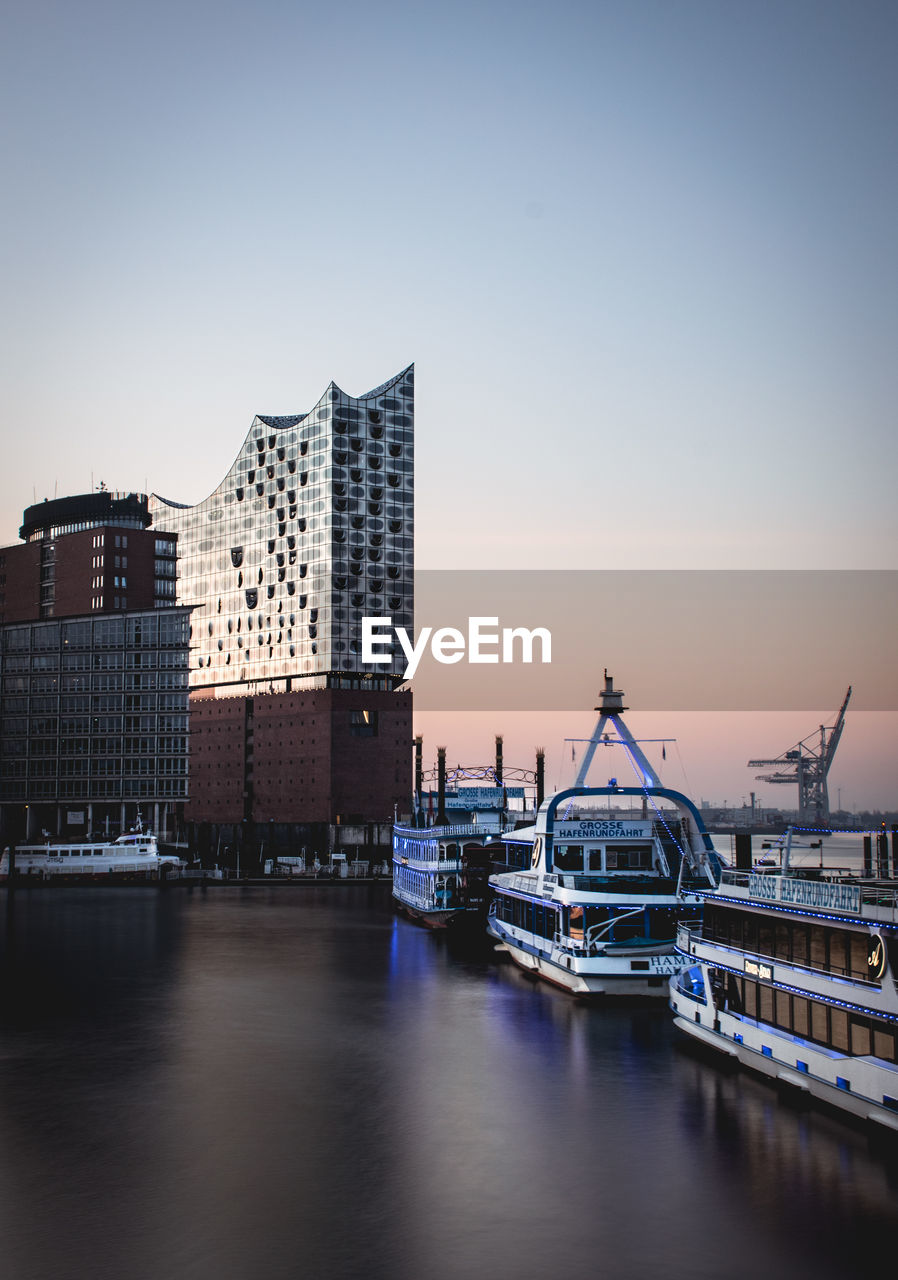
706 752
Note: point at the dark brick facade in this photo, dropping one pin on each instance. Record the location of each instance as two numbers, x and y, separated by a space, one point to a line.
20 582
101 570
321 755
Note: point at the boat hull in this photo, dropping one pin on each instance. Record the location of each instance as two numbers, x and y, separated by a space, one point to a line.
436 919
88 864
818 1081
595 976
125 875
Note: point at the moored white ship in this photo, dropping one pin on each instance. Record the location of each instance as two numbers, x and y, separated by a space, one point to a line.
794 973
597 911
134 855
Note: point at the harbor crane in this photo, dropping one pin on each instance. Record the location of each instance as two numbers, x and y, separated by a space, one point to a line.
807 764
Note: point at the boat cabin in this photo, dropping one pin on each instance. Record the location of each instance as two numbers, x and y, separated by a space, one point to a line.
582 851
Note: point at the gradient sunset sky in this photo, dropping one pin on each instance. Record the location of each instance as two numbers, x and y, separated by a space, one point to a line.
642 255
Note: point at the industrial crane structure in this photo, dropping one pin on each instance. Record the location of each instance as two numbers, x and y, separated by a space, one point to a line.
807 765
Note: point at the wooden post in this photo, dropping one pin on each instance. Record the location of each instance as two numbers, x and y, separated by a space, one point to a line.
868 856
419 782
441 819
743 851
882 869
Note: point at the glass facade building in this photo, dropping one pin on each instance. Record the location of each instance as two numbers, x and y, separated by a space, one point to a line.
94 721
311 529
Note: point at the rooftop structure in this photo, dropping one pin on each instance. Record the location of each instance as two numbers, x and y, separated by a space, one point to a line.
88 553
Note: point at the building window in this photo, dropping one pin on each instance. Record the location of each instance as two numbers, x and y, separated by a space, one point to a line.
363 724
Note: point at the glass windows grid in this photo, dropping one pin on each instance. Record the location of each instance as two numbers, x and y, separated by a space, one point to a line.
229 548
826 948
840 1029
77 717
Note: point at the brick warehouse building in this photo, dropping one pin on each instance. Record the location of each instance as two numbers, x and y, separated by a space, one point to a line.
310 530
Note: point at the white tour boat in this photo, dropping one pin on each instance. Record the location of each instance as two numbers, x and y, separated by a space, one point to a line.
597 910
134 855
794 973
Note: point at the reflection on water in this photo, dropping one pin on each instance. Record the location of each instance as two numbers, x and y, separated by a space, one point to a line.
294 1082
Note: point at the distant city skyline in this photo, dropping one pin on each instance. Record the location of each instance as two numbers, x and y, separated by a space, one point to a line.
642 257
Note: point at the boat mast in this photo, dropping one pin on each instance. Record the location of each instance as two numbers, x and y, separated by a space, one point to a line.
611 708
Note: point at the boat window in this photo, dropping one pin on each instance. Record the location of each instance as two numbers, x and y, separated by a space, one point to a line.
734 993
800 943
765 937
576 923
782 1002
691 983
837 958
594 858
569 857
800 1016
839 1029
884 1042
751 999
860 1037
628 857
819 1029
765 998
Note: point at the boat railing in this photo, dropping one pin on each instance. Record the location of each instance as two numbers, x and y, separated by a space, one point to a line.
447 832
423 862
621 882
568 945
690 935
585 946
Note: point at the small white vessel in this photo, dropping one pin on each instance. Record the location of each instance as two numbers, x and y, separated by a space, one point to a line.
134 855
794 973
597 910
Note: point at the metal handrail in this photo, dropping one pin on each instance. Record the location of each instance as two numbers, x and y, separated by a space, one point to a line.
462 829
694 931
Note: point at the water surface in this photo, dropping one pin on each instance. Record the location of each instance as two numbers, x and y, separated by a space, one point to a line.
292 1082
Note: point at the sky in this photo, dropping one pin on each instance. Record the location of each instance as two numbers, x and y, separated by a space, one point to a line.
642 255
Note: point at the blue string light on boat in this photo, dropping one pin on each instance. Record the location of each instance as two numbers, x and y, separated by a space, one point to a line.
645 790
791 910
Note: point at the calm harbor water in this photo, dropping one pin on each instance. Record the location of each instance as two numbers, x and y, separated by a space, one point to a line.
293 1082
